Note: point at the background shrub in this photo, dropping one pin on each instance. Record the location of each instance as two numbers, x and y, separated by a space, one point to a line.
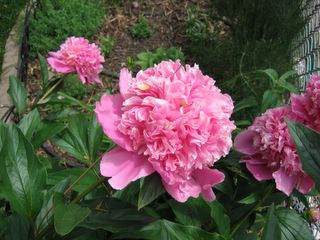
56 20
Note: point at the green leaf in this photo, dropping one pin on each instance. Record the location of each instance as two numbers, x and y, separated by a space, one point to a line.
193 212
245 103
44 71
73 173
308 146
271 228
95 135
220 218
3 129
292 225
287 75
67 217
271 73
30 123
288 86
46 213
23 177
117 216
269 100
45 132
18 94
150 189
18 228
164 229
252 198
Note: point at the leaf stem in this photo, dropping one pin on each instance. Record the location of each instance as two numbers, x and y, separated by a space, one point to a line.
265 197
51 89
80 103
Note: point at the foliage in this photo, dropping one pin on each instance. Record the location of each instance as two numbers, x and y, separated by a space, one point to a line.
148 59
255 35
56 20
9 12
106 44
141 29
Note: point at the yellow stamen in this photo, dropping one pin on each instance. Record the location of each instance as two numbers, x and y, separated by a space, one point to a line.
183 103
143 86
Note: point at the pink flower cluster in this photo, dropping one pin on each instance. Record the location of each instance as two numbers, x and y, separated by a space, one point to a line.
78 55
307 106
269 148
169 119
271 152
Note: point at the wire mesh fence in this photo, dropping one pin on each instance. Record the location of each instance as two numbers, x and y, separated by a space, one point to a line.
306 48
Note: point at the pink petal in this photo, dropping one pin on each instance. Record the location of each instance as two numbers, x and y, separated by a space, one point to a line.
305 184
124 167
182 191
244 142
297 106
125 78
259 171
59 65
108 112
207 178
284 182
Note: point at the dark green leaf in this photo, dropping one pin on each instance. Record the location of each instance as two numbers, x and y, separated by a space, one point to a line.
292 225
288 86
308 146
269 100
271 228
193 212
245 103
45 132
95 136
18 228
18 94
73 174
220 218
67 217
117 216
271 73
164 229
150 189
23 177
284 77
44 71
30 123
252 198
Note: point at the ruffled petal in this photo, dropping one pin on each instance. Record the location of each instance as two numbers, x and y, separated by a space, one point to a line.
207 178
258 168
182 191
124 81
108 112
305 184
284 183
59 65
124 167
244 142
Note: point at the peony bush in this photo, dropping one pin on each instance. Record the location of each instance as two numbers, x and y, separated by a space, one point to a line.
165 157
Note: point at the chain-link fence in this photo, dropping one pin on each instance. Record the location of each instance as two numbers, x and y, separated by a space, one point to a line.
306 48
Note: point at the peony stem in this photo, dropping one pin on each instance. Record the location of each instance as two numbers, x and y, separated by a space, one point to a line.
80 103
265 197
51 89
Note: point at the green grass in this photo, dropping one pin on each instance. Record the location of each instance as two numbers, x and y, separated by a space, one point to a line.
10 9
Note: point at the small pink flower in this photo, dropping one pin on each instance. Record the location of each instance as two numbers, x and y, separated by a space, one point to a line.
315 214
78 55
307 105
271 152
168 119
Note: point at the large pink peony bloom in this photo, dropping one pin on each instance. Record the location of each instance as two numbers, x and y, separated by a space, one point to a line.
171 120
307 105
271 152
78 55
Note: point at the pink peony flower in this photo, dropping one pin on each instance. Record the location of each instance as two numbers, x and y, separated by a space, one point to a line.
169 119
271 152
78 55
307 105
